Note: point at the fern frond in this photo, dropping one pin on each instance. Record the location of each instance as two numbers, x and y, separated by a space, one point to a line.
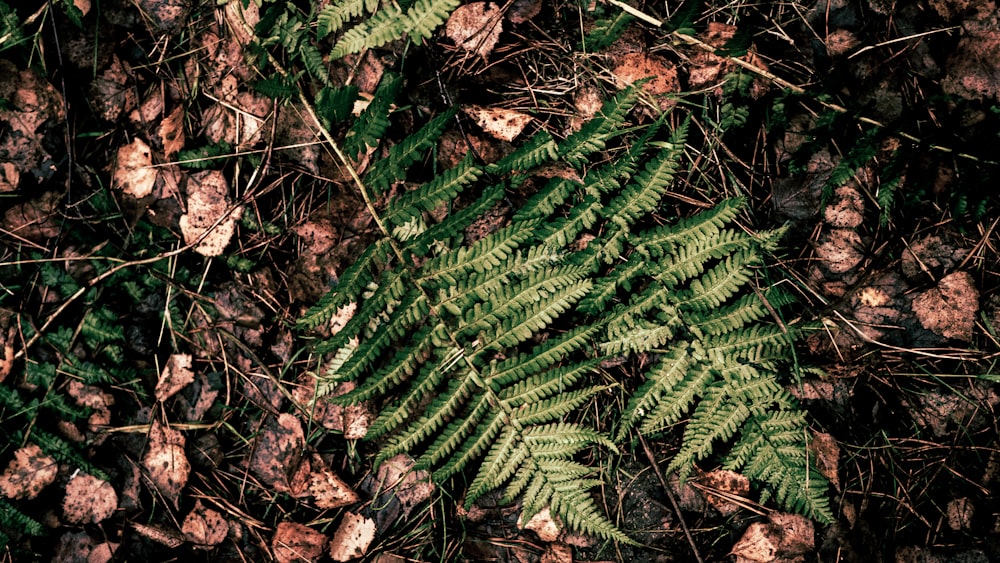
427 15
544 203
331 18
457 222
662 241
370 126
716 419
355 280
445 187
539 149
487 253
385 25
392 167
593 136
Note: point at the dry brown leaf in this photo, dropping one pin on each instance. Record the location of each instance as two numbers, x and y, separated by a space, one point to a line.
236 13
134 173
960 512
523 10
707 68
840 42
33 107
8 335
28 473
353 538
94 398
758 543
294 543
171 132
166 16
973 67
208 208
557 553
159 534
327 488
846 209
111 92
930 255
475 27
79 547
545 525
165 462
500 123
278 452
827 454
786 537
88 500
34 220
949 310
663 75
204 526
176 375
411 487
240 120
719 488
840 250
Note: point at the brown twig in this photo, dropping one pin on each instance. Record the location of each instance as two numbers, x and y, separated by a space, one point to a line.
670 497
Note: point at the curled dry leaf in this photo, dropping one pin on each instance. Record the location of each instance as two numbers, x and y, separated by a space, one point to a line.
278 452
28 473
329 490
204 526
410 486
827 455
960 512
502 124
721 486
134 173
475 27
294 543
353 538
88 500
840 250
636 66
846 209
784 538
160 534
171 133
165 462
176 375
8 334
209 220
545 525
949 310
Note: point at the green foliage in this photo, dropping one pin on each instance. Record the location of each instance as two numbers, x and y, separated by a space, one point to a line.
206 157
11 34
463 342
383 24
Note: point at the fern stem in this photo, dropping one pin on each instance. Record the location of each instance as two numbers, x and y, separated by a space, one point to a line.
670 497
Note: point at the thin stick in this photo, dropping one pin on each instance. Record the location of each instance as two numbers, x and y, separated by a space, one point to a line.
670 497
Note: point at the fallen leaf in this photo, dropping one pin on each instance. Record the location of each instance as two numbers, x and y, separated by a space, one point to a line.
166 16
34 220
840 250
353 537
960 512
557 553
502 124
204 526
79 547
546 526
931 255
28 473
523 10
88 500
32 108
208 216
475 28
846 208
171 132
10 177
112 92
719 488
632 67
159 534
827 455
165 462
327 488
236 13
949 310
95 399
134 173
411 487
278 452
784 538
176 375
8 335
293 543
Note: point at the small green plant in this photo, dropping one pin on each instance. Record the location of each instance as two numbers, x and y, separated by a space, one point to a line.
479 350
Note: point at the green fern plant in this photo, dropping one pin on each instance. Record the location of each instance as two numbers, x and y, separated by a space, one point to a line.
467 344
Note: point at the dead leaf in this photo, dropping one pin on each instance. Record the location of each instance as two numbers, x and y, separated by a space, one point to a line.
846 209
523 10
28 473
293 543
165 462
973 67
840 42
410 486
327 488
159 534
88 500
208 214
171 133
632 67
200 396
79 547
204 526
95 399
840 250
149 110
960 512
8 334
719 488
165 16
827 454
949 310
502 124
784 538
134 173
176 375
235 14
34 220
112 92
546 526
32 107
557 553
931 255
353 538
475 28
278 452
707 68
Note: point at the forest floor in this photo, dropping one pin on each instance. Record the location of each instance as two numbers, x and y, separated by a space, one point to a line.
163 224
